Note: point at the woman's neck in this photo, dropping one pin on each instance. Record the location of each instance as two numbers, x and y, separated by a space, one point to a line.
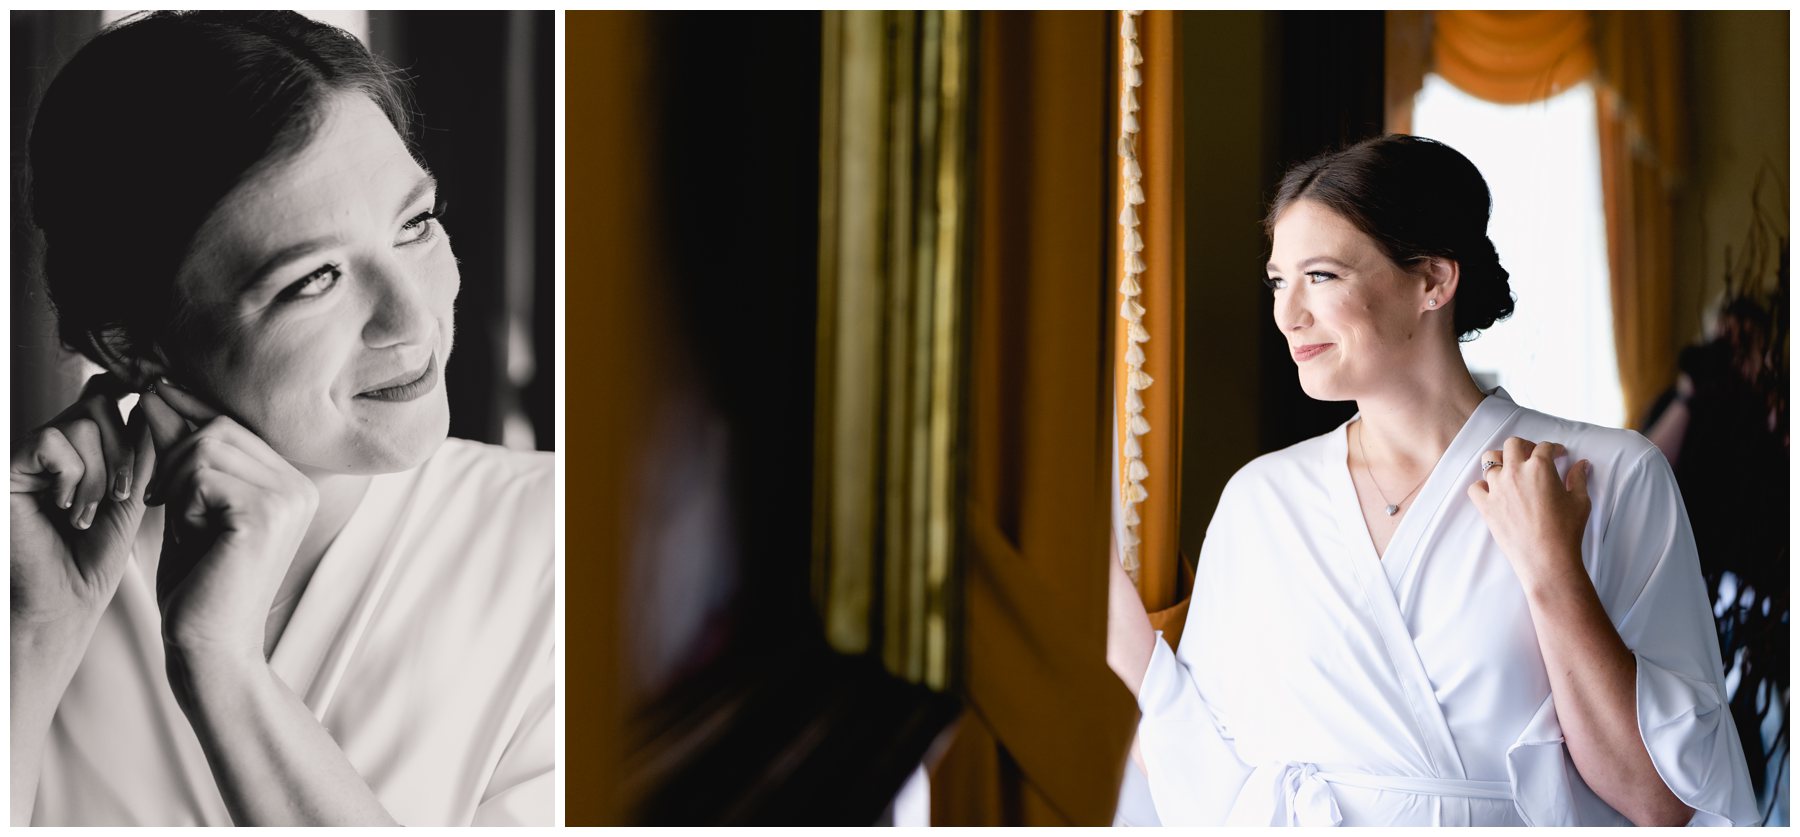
1411 424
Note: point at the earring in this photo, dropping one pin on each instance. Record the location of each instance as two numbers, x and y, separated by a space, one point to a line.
1431 303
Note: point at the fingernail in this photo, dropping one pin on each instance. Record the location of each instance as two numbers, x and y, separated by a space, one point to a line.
66 501
86 518
122 484
1587 468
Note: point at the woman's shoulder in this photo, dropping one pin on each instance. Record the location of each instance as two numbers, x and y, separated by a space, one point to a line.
479 467
474 490
1621 458
1302 456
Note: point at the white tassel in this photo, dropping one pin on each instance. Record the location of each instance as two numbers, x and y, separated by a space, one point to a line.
1135 264
1134 355
1133 78
1131 516
1137 471
1140 425
1135 493
1133 54
1128 25
1128 216
1131 311
1134 243
1139 380
1134 194
1131 100
1138 334
1125 149
1128 538
1132 171
1133 450
1134 403
1131 123
1130 287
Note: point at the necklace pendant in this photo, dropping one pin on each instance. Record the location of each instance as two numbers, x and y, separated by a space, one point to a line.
1393 510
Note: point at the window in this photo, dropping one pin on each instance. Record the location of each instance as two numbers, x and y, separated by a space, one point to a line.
1542 164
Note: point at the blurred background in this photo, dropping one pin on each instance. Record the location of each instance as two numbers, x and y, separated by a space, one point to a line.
484 88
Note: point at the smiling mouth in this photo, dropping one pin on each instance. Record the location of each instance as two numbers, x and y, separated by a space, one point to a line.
407 390
1310 351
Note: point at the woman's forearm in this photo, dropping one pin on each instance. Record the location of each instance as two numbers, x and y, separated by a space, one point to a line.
44 660
274 763
1129 637
1593 680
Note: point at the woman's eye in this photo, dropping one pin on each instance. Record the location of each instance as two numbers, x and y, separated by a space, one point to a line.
421 228
1320 276
1274 283
315 283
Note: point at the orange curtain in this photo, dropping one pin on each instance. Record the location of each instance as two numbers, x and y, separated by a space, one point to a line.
1642 147
1045 736
1512 57
1161 222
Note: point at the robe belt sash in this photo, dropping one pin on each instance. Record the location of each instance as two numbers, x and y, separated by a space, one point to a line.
1299 793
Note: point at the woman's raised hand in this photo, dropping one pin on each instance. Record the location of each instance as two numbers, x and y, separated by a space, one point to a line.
235 513
1535 515
77 499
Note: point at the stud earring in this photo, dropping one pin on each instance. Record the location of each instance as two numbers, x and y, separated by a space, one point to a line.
1431 303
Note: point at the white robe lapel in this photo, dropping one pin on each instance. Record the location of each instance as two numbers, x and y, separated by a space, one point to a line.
345 590
1379 576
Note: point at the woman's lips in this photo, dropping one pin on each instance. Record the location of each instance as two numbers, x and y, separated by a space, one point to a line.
407 387
1310 351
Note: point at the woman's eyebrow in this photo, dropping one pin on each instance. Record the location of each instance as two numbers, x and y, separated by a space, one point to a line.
1311 262
426 184
290 253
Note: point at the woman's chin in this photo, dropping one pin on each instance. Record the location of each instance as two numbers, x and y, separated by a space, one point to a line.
1323 388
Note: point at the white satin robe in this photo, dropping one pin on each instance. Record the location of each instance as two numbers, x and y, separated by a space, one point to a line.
423 643
1320 684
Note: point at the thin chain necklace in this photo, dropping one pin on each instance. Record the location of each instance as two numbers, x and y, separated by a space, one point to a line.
1391 508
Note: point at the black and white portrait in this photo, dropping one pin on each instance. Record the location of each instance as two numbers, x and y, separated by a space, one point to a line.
283 482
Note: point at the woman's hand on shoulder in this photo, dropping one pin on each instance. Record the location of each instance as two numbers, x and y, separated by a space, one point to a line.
77 500
1536 515
235 513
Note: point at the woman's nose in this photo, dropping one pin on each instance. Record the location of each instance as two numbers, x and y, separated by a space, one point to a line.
399 306
1291 313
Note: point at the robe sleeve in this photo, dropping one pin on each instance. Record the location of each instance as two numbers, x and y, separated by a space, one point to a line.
1193 772
1683 717
1647 573
522 790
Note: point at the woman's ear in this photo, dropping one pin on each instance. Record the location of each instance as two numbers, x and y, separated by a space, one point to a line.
127 362
1441 277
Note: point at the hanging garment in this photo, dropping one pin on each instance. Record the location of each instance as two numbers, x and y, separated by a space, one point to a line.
1321 684
422 643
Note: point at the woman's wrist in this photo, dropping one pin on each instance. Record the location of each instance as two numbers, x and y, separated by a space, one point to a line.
40 649
213 677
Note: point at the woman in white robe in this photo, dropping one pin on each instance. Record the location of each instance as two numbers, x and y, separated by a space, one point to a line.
275 594
1348 662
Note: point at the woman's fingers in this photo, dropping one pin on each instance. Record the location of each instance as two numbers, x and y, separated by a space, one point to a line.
1577 480
191 408
166 426
84 435
46 459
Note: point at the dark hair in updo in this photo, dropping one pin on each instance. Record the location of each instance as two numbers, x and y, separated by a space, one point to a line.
1415 197
147 129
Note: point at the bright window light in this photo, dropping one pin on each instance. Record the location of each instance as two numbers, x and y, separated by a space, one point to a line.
1542 164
